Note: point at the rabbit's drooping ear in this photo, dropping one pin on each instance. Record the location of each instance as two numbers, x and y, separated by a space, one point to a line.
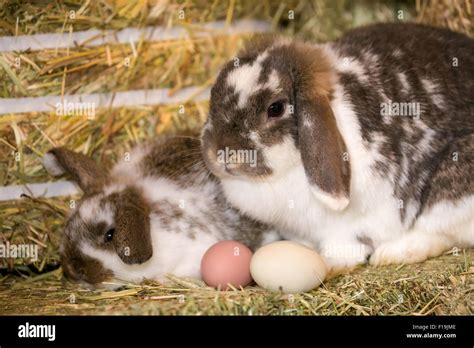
83 169
132 238
323 151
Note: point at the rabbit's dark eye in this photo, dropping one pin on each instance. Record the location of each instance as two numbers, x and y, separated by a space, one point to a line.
276 109
109 235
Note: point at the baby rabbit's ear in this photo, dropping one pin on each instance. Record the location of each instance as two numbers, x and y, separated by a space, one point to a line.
132 239
323 151
83 170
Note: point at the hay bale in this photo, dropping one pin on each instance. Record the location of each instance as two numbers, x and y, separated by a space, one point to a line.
439 286
456 15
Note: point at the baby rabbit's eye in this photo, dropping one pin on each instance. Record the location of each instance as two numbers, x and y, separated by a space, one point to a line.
276 109
109 235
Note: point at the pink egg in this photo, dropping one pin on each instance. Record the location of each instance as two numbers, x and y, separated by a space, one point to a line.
226 262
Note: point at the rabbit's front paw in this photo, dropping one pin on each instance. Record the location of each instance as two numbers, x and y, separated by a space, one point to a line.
411 248
346 255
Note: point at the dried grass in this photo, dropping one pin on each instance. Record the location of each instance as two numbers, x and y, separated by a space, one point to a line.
457 15
443 285
438 286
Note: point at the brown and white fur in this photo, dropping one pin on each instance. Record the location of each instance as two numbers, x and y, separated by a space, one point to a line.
332 171
156 212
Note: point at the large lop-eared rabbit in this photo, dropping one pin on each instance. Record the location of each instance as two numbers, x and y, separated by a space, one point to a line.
156 212
364 145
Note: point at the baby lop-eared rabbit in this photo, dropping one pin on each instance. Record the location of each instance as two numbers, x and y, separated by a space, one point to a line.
155 214
364 146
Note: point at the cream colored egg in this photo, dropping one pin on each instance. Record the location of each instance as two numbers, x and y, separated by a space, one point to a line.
288 267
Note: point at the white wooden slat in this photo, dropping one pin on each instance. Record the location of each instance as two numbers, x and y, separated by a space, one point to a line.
94 37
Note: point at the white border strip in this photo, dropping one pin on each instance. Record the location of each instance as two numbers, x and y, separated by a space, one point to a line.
45 190
99 100
94 37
